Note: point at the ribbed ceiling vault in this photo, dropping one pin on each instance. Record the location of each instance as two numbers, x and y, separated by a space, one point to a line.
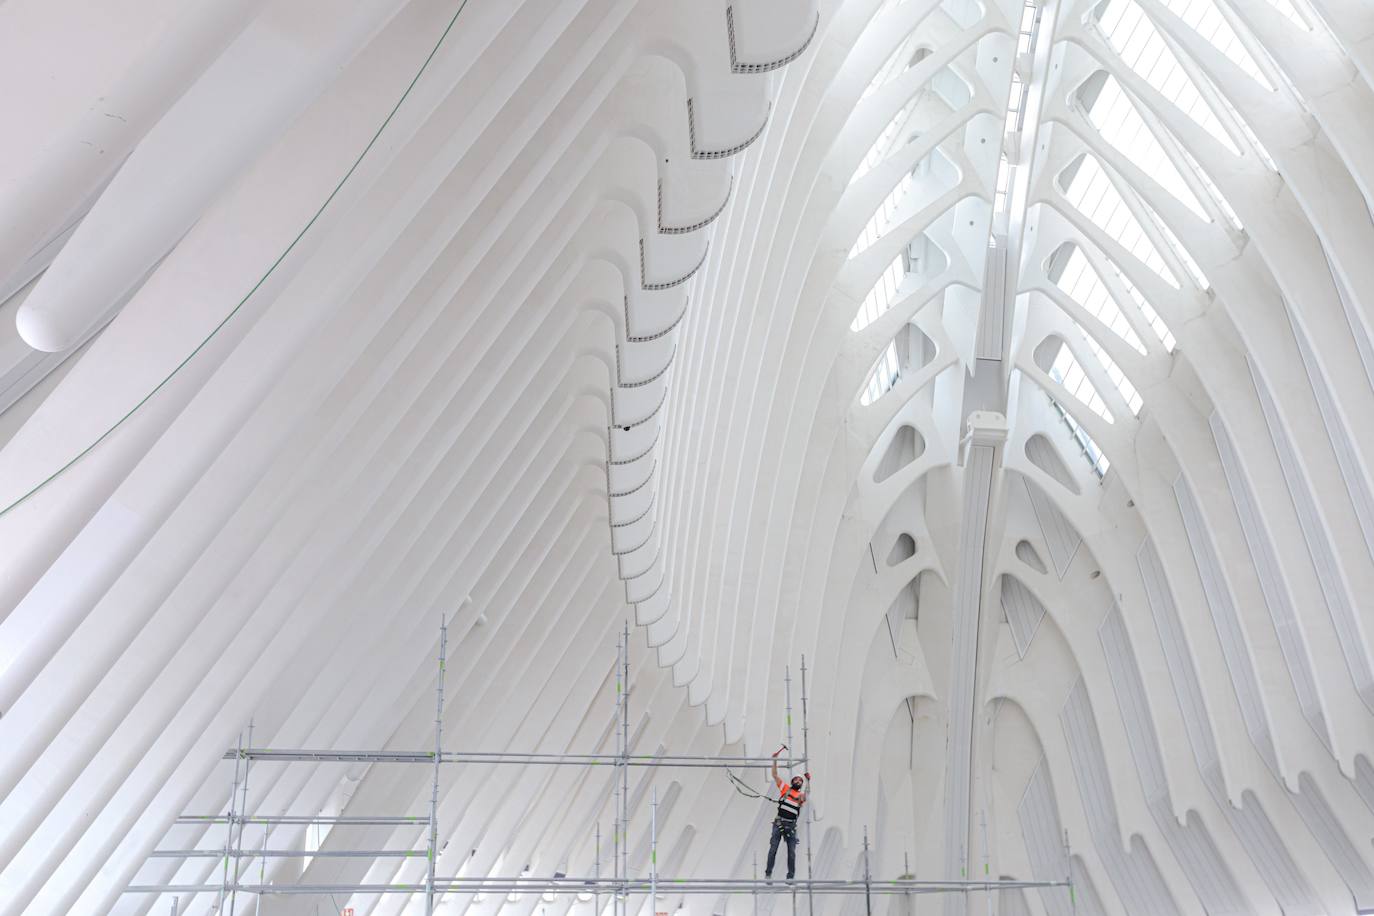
1012 363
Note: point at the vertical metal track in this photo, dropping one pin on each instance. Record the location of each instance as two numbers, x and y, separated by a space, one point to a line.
787 690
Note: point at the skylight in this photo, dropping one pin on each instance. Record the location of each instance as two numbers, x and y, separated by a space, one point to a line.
1096 457
897 62
1128 392
1116 118
1157 324
1144 50
882 295
883 219
1066 371
1249 134
1082 284
999 195
883 146
1179 250
1208 21
1096 197
1212 190
885 375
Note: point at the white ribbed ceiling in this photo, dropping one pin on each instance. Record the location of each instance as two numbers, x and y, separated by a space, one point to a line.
1012 363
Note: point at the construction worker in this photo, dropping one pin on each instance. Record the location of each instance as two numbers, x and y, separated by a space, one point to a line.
790 801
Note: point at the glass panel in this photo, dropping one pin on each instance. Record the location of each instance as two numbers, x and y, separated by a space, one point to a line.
881 296
1096 459
883 219
1066 371
1123 385
1209 22
1144 50
1116 118
885 143
1094 195
1082 284
885 375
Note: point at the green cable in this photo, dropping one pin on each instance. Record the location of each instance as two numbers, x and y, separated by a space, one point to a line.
261 280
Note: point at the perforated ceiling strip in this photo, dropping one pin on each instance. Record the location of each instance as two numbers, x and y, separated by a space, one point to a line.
1227 622
1191 844
1267 568
1024 612
1356 483
1040 829
1138 883
1330 575
1061 538
1250 824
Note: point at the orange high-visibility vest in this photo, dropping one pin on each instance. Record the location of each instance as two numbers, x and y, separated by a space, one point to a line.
790 802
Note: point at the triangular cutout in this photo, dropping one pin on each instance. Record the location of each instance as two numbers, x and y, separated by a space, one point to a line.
906 446
1026 553
903 549
1042 453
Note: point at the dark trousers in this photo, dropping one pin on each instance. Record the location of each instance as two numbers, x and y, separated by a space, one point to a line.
782 830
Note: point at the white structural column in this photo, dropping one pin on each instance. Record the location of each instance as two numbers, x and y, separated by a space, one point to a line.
984 438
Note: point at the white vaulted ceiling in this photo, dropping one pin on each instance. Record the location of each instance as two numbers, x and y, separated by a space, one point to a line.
1011 363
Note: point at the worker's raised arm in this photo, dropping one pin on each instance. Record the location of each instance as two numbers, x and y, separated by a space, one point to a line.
776 779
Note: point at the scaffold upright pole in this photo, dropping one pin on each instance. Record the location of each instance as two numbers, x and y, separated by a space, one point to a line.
615 776
262 872
653 853
229 829
810 809
625 774
1068 874
987 859
868 878
596 873
755 892
906 874
243 809
438 755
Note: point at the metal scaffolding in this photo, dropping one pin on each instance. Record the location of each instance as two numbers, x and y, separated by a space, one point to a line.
686 886
620 885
